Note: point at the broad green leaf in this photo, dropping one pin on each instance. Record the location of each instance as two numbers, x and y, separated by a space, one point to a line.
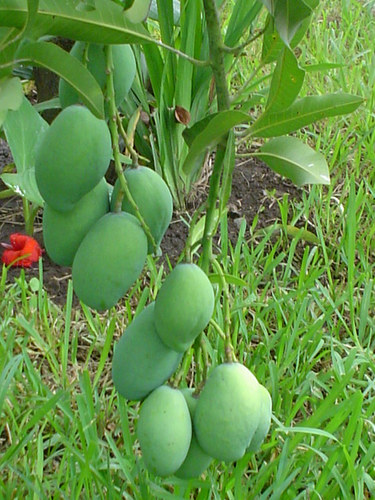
69 68
11 94
216 128
106 23
53 103
138 11
289 15
292 158
303 112
272 43
24 184
24 129
286 82
243 14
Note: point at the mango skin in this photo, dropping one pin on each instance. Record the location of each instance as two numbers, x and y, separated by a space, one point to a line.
183 306
227 412
164 430
64 231
141 362
264 423
196 461
72 158
124 70
153 198
109 260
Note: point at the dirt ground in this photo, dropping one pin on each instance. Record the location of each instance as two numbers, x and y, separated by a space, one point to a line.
255 191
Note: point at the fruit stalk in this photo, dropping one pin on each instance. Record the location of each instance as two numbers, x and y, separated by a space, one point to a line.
229 351
217 54
116 149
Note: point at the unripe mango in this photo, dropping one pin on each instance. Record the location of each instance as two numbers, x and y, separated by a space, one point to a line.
196 461
72 158
153 198
164 430
227 412
141 362
183 306
64 231
109 260
264 423
124 69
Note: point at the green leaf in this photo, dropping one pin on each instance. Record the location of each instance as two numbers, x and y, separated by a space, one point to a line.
106 23
69 68
303 112
213 129
24 129
11 94
138 11
286 82
243 14
289 15
24 184
292 158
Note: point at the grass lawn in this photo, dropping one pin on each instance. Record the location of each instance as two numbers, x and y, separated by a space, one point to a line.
301 318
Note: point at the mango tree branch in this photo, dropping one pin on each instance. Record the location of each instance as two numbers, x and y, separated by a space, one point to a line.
112 122
217 55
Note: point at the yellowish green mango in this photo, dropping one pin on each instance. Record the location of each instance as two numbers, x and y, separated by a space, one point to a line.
109 260
196 461
153 198
141 362
183 306
64 231
164 430
72 157
264 423
93 56
227 413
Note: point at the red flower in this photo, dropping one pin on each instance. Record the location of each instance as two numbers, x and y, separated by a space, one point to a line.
21 246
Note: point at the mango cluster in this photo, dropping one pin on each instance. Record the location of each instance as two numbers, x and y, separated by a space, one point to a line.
107 250
152 347
180 432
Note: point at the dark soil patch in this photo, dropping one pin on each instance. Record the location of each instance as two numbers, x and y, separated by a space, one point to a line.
255 191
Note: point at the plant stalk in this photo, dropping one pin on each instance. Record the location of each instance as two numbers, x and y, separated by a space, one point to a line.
112 111
217 55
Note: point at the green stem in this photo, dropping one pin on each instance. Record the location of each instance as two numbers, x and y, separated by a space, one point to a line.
217 54
229 351
112 111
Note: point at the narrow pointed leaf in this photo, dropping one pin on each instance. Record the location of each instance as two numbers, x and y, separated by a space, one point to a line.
243 14
289 15
292 158
286 82
214 130
303 112
69 68
106 22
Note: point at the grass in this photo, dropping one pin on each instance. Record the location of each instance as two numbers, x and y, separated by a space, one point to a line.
301 319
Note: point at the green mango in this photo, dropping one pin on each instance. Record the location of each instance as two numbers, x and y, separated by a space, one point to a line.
64 231
109 260
124 69
153 198
164 430
264 423
141 362
196 461
183 306
72 158
227 412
